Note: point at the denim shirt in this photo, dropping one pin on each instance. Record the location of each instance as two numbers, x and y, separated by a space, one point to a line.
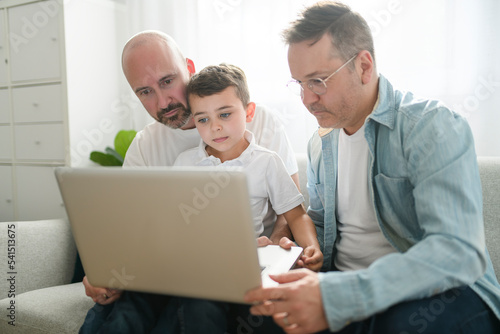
426 191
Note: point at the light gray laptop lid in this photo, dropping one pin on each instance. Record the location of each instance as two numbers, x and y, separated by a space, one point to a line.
186 232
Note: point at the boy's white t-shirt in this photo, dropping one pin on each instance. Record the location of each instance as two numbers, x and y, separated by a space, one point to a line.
360 240
267 177
159 145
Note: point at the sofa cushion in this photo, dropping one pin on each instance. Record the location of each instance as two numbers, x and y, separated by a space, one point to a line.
59 309
489 169
44 253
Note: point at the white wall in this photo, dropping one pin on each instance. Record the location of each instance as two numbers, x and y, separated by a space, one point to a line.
94 39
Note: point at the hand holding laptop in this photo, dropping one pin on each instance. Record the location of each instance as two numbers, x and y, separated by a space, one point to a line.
103 296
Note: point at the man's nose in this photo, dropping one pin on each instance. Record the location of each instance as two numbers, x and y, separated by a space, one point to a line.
308 96
163 100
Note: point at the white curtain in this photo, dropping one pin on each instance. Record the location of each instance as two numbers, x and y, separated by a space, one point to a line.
444 49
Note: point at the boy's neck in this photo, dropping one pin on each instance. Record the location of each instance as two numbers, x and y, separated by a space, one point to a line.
232 154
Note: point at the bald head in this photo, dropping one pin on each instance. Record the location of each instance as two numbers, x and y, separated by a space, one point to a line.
150 38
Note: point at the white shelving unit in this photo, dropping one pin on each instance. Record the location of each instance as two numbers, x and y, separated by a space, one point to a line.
50 96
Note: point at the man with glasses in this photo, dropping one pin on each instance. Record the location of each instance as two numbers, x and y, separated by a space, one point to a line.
394 193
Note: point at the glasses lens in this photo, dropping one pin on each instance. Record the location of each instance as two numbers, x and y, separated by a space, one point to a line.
294 87
318 86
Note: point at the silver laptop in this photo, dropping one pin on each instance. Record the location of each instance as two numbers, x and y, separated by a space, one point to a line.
177 231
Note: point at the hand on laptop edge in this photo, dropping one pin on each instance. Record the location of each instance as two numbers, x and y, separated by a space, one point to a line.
103 296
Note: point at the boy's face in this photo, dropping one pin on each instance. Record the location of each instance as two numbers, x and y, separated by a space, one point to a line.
221 121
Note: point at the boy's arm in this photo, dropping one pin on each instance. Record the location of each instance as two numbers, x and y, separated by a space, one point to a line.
281 228
304 233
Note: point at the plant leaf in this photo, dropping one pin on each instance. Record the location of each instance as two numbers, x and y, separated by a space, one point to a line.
123 140
104 159
112 152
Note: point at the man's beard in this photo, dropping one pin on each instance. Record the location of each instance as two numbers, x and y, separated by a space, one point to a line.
176 121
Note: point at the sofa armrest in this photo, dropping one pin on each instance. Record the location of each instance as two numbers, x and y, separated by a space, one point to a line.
489 170
44 253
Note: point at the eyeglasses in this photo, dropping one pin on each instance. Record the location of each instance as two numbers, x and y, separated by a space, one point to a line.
316 85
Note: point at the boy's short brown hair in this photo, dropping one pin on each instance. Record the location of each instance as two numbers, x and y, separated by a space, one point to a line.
215 78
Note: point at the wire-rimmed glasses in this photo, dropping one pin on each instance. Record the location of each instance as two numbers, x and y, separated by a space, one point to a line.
316 85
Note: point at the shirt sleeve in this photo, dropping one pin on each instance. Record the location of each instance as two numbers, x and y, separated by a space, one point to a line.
134 156
283 192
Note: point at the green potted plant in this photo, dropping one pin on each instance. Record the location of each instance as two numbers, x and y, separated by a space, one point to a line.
114 156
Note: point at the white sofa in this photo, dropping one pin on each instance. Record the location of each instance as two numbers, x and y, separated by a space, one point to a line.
46 301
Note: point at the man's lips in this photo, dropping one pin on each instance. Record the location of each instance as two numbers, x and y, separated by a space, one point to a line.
170 113
220 139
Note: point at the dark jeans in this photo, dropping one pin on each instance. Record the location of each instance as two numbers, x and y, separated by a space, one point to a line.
137 313
457 311
133 312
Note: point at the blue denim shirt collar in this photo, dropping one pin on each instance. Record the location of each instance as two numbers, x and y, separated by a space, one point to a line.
385 110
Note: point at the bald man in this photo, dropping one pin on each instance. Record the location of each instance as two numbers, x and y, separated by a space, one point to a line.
158 74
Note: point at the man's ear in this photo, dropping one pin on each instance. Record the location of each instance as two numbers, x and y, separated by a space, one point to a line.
367 66
250 111
190 66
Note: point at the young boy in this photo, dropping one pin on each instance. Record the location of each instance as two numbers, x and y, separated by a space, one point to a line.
218 98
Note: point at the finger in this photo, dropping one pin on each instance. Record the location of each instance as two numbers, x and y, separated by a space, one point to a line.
312 259
110 300
263 241
270 308
291 276
299 264
314 267
284 320
295 329
286 243
263 294
308 252
100 299
105 299
113 292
